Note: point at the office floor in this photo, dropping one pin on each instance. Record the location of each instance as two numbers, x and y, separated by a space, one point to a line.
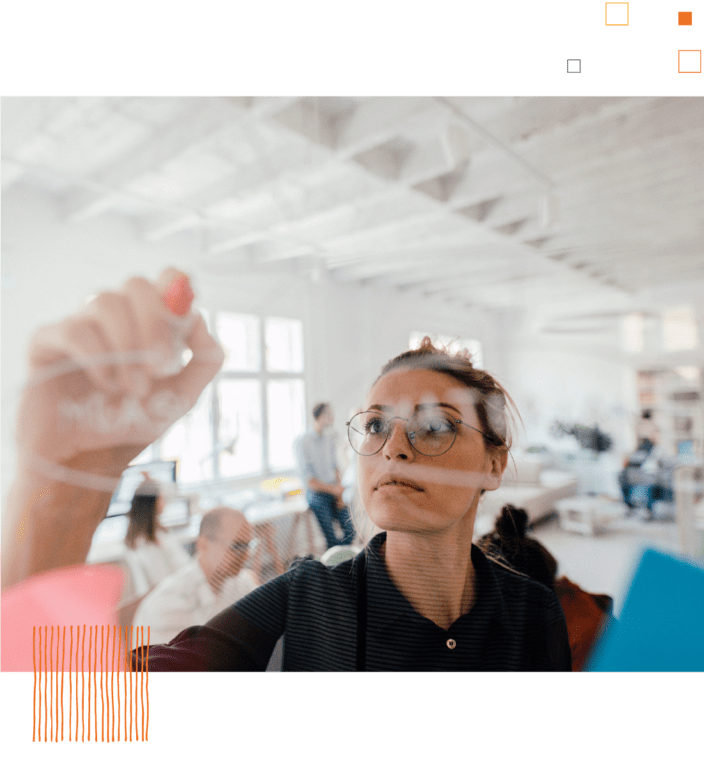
604 563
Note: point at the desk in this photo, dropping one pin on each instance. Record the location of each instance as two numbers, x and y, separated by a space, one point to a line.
585 514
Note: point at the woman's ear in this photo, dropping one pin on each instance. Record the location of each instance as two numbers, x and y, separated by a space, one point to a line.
496 464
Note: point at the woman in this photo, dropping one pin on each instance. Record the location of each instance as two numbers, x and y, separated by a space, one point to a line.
432 438
153 553
586 614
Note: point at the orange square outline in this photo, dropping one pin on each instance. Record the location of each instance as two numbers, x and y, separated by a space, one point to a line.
687 15
606 15
689 50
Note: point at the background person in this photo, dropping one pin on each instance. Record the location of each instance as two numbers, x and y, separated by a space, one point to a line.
586 614
153 553
208 583
316 460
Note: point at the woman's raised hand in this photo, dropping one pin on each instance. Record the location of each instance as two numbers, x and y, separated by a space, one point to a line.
110 379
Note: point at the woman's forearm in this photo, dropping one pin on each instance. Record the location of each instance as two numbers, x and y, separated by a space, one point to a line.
50 524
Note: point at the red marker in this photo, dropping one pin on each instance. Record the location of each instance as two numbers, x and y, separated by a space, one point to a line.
179 295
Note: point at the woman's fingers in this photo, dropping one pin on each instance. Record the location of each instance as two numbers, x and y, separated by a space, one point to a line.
113 312
207 360
78 340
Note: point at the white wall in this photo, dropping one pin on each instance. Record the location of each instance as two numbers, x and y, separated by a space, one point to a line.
573 381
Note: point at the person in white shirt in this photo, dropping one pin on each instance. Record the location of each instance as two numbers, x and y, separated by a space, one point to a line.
152 553
212 581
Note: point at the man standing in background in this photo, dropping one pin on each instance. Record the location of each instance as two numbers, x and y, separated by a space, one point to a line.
317 468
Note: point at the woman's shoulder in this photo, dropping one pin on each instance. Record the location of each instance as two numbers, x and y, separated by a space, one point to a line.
517 584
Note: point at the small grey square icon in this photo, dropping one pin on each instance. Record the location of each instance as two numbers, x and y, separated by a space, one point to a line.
574 65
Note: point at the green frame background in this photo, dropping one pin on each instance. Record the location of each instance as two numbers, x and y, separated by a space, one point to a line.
499 48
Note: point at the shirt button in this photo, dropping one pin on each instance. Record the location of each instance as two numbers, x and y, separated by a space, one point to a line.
451 644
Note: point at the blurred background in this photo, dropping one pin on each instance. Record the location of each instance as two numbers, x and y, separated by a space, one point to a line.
559 240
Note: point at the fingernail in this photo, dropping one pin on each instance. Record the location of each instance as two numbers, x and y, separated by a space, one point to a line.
179 295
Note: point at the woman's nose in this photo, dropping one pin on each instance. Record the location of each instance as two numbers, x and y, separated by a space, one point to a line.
398 446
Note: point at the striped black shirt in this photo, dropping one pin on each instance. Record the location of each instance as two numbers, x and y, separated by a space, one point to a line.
515 624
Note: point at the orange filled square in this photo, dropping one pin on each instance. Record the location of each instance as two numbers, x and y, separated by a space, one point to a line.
684 18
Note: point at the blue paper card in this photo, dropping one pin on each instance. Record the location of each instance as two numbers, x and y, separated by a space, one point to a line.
661 626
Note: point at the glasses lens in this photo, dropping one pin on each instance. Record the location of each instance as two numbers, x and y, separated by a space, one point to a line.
367 432
431 433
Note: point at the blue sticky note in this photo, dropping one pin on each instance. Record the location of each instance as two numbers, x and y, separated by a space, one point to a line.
661 626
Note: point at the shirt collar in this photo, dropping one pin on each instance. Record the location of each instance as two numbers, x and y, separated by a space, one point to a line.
387 604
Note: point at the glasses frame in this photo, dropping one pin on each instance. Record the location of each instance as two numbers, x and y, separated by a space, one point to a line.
450 419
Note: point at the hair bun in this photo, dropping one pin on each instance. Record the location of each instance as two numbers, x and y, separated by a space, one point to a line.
512 523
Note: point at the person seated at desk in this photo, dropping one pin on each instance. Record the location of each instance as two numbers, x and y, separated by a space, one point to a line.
646 476
207 584
318 470
152 553
585 613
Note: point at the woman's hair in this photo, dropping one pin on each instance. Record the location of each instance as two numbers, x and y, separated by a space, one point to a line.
509 546
143 517
494 406
492 401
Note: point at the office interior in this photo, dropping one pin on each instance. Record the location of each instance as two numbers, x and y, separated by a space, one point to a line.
559 240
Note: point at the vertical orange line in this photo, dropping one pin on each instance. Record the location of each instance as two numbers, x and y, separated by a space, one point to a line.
102 695
147 668
54 692
125 691
78 634
83 687
106 685
136 692
63 658
46 683
39 685
56 680
95 683
70 683
119 658
39 724
51 686
141 681
131 699
90 647
112 697
34 694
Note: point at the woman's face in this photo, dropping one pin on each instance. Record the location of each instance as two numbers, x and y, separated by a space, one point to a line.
440 490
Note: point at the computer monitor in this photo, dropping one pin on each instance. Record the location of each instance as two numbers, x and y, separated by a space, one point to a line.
161 471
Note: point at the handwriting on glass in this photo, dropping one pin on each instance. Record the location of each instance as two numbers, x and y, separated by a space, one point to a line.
95 412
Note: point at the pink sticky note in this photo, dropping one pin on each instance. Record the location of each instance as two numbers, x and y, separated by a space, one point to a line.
63 597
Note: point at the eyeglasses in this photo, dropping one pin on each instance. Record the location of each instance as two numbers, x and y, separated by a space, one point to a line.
431 433
239 547
236 547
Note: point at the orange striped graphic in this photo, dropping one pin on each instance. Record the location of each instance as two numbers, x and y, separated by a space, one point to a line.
49 666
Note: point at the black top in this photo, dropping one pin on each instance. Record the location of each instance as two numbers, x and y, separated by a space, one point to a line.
515 624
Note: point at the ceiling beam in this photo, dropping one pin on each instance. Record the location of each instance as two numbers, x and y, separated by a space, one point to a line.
202 123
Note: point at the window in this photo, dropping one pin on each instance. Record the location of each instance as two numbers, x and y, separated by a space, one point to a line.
451 343
247 419
679 329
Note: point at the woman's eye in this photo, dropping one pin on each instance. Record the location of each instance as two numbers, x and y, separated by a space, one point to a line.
374 426
435 426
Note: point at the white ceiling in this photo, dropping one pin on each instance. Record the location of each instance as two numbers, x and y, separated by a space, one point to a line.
577 206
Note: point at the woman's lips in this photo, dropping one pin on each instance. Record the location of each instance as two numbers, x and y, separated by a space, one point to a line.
398 485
